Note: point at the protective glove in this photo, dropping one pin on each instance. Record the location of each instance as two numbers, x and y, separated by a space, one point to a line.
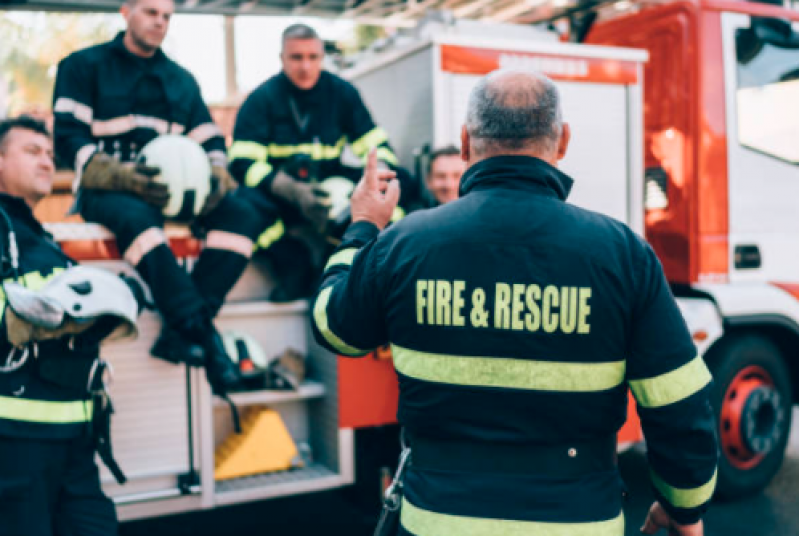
20 331
223 183
104 172
312 201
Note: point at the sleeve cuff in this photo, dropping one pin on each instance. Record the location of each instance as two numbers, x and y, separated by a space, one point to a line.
360 232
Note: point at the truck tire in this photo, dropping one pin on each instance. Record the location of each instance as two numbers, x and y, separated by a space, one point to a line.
752 400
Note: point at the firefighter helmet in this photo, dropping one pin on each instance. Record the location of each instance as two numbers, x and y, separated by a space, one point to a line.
185 169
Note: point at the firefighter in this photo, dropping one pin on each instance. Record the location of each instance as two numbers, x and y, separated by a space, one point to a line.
444 175
517 324
291 133
110 101
50 378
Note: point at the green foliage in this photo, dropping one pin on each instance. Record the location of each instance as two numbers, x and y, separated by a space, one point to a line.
33 44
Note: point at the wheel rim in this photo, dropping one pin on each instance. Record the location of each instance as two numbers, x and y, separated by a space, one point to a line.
751 417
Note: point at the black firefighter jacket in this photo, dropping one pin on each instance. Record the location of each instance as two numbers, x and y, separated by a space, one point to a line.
107 99
516 318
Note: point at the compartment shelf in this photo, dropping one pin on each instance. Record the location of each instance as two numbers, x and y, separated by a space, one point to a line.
315 477
308 390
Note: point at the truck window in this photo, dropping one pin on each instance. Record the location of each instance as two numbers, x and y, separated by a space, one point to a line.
768 97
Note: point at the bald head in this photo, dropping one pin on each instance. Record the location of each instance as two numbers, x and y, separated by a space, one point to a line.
515 112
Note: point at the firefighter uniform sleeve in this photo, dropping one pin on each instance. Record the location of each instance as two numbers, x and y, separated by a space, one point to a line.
362 133
249 154
73 99
348 317
203 130
671 384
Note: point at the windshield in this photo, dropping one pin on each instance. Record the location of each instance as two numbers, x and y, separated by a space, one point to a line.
768 98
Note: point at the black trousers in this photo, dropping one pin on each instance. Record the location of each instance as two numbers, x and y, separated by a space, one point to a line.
52 488
179 296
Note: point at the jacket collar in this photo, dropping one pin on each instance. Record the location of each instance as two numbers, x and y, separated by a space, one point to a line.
118 45
516 172
18 209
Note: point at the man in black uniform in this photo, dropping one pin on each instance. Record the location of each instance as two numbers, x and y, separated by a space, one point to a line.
49 482
517 324
110 101
290 135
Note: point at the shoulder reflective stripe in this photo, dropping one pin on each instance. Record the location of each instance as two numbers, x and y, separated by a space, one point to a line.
685 497
320 318
248 149
508 372
371 139
271 235
672 386
257 173
22 409
398 214
204 132
316 151
345 256
426 523
385 154
81 112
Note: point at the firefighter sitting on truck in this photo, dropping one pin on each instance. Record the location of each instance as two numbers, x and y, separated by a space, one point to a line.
288 141
110 101
54 412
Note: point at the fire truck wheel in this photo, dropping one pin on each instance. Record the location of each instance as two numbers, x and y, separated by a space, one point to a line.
752 400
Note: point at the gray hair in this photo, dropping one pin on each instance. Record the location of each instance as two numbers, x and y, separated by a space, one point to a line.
299 31
521 111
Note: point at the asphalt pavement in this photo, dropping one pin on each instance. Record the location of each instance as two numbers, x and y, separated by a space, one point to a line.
775 512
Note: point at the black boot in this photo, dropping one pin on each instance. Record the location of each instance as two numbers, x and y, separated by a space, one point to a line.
173 347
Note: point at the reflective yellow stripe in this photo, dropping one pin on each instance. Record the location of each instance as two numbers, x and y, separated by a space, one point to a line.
508 372
672 386
373 138
398 214
320 318
248 149
21 409
316 151
426 523
385 154
257 172
345 256
271 235
685 497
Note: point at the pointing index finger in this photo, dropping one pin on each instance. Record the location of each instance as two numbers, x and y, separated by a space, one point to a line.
370 172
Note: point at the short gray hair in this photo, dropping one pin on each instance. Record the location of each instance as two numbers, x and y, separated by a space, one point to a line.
514 115
299 31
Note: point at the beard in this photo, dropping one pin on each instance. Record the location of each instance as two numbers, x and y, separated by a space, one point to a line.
141 42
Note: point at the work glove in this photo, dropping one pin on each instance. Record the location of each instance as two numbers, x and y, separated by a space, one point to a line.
222 183
21 331
311 200
104 172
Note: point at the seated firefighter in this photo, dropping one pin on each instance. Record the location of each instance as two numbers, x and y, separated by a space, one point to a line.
110 101
290 152
54 412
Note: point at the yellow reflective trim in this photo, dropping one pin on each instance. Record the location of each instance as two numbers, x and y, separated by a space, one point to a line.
345 256
386 155
371 139
248 149
270 236
320 319
685 497
316 151
257 172
398 214
672 386
508 372
22 409
423 522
